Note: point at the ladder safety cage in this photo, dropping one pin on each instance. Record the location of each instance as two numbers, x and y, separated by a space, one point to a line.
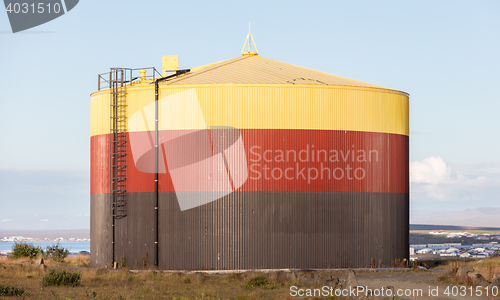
117 81
118 142
130 76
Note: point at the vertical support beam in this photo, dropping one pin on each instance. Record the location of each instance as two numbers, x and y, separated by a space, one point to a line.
111 158
156 172
157 139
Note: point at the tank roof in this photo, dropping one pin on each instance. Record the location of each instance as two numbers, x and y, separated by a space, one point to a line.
254 69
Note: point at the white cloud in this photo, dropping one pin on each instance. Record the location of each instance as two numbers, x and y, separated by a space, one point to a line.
433 179
432 170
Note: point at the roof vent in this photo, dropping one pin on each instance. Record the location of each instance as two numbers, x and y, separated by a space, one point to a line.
170 64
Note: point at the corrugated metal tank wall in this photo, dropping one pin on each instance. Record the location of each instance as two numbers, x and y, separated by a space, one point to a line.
285 223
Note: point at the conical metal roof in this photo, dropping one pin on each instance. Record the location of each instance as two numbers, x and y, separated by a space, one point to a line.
254 69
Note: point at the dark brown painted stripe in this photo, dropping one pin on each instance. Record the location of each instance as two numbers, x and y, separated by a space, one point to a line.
261 229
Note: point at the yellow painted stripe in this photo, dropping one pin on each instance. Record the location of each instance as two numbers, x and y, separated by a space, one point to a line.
99 113
276 106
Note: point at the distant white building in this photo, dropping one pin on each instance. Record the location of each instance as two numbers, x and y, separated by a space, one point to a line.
423 251
480 255
14 238
437 232
446 245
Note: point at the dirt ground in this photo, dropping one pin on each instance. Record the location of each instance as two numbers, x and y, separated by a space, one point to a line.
415 282
150 284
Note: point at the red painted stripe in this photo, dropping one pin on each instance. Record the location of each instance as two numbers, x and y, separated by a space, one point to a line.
387 171
99 164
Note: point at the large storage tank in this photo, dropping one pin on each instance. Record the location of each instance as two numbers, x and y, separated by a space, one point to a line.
261 164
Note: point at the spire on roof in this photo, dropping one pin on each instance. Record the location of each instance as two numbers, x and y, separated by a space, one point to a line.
248 41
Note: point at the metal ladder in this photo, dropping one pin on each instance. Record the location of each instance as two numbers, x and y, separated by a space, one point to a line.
118 143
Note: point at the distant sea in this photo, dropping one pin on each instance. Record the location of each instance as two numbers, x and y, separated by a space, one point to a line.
73 247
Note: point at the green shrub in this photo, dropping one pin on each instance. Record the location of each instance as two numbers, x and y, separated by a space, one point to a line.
56 252
65 278
256 281
24 249
11 291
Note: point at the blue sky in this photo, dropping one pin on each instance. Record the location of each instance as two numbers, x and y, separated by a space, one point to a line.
445 54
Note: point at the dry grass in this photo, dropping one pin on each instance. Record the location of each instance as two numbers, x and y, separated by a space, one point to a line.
123 284
488 268
78 260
